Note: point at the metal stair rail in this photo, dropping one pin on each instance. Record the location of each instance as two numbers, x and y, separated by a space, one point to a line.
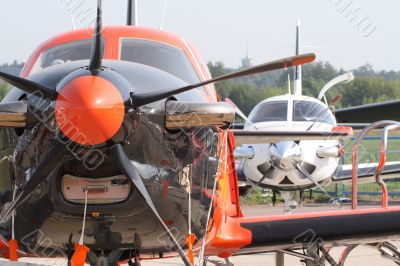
387 125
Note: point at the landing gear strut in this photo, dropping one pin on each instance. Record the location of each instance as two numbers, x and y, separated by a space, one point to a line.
110 260
290 203
136 261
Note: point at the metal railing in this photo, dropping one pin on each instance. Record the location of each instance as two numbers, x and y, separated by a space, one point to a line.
387 125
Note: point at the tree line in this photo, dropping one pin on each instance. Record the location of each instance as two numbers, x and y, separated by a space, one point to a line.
369 85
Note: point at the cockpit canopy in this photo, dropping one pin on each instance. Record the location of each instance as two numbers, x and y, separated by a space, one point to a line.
292 110
152 53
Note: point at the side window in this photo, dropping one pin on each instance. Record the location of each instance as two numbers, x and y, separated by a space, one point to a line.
270 111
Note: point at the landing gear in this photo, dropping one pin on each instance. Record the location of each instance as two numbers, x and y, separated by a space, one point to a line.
289 200
104 260
136 260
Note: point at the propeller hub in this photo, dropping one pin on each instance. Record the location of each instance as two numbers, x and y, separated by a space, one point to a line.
285 155
89 110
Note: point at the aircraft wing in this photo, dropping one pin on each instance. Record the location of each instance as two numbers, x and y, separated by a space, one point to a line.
295 230
369 113
366 172
258 136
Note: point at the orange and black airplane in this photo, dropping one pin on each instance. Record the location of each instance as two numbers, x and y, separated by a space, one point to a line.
116 147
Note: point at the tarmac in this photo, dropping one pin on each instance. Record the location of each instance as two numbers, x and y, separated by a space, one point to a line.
360 256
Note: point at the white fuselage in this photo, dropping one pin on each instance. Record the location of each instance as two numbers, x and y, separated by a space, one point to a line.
278 165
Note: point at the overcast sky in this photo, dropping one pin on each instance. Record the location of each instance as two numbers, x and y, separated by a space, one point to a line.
350 32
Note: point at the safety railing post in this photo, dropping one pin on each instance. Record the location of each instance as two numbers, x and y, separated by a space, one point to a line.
354 170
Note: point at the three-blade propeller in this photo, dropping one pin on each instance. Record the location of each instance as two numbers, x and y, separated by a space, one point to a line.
138 99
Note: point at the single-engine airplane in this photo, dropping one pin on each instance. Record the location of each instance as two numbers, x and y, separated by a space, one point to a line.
115 147
289 166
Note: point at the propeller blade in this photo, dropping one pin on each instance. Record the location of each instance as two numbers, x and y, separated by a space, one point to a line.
29 86
306 174
129 170
146 98
239 112
48 164
97 51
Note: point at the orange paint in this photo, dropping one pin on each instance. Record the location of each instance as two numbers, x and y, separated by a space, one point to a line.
113 35
13 250
348 130
303 60
79 257
226 236
89 110
190 238
297 216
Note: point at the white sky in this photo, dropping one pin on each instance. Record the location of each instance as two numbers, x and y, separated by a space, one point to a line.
219 28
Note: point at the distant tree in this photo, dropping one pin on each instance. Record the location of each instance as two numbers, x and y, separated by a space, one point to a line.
365 90
314 75
369 85
3 90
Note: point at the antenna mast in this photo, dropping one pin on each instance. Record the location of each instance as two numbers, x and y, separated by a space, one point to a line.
298 90
132 18
163 14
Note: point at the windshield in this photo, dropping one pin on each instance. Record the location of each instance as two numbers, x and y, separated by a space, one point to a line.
67 52
159 55
270 111
311 111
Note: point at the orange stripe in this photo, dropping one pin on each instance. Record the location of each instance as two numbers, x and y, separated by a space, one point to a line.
296 216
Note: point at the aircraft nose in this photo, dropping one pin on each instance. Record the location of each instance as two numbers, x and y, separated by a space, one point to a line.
285 155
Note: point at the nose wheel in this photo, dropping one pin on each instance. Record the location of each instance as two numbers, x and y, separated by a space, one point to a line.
102 260
289 202
135 262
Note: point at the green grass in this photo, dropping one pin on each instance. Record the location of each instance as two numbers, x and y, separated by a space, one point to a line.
369 151
257 197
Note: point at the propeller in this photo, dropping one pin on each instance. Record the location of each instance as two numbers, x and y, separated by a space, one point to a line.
47 166
59 150
266 170
146 98
96 56
140 99
239 112
29 86
309 177
129 170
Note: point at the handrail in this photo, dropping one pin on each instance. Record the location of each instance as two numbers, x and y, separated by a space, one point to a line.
354 171
382 161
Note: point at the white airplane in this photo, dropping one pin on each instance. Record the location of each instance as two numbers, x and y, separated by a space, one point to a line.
298 141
